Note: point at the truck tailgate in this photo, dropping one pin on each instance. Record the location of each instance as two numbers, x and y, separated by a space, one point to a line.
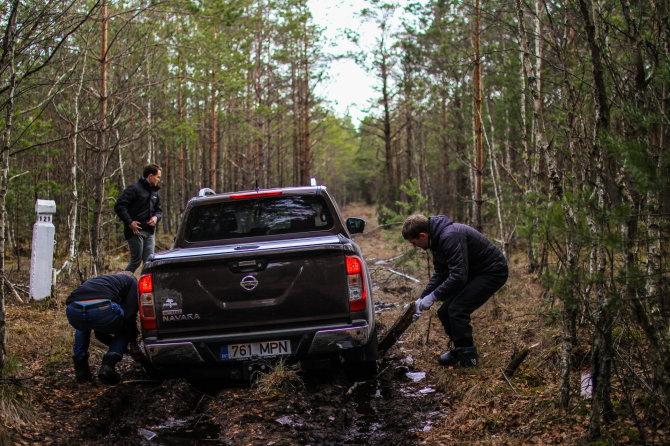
261 289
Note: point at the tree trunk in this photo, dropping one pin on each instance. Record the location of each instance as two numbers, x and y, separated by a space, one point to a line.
477 121
150 140
306 161
657 269
9 43
528 148
497 192
390 187
182 149
212 134
602 344
74 201
100 152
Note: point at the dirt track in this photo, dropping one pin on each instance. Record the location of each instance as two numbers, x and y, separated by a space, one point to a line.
329 409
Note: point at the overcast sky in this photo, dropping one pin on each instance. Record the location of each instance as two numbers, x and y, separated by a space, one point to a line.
349 89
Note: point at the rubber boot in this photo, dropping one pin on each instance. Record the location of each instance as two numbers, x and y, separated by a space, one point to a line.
107 374
82 372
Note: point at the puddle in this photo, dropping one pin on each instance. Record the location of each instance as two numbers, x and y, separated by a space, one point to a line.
367 421
416 376
414 393
427 425
386 410
287 420
189 431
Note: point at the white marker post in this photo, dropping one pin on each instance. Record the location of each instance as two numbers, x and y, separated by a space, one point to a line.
41 260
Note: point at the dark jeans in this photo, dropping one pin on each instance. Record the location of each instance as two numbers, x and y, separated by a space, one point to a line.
141 246
455 311
108 320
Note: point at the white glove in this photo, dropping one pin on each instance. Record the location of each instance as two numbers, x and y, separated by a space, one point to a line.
417 310
424 303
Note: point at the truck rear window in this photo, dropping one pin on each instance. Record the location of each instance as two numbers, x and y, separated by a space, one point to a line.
257 217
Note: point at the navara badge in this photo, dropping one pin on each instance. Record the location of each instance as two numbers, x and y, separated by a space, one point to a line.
249 282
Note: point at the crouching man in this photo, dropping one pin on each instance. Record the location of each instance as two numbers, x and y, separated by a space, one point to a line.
107 305
469 268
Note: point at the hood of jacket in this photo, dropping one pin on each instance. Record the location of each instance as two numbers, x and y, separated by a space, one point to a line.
437 226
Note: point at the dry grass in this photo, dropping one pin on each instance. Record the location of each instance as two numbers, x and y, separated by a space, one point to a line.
281 378
15 399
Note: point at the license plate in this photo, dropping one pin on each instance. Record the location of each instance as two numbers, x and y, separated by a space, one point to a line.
256 349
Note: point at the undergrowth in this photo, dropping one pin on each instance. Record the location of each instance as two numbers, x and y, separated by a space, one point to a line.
15 398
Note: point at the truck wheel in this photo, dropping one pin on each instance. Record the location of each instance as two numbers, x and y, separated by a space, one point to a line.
361 364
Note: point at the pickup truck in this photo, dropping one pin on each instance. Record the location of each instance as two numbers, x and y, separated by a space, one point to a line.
255 276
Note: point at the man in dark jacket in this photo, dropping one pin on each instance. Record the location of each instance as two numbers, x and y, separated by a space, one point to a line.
108 305
139 209
469 268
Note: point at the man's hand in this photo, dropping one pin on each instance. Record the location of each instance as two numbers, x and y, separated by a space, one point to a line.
135 226
424 303
417 310
152 221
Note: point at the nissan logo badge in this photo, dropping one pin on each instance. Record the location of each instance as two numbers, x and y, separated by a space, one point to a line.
249 282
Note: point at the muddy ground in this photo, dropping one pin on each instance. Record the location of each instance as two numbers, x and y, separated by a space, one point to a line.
327 408
412 400
323 407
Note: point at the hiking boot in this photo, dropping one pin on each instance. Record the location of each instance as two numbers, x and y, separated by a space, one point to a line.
107 374
449 358
82 372
460 357
468 357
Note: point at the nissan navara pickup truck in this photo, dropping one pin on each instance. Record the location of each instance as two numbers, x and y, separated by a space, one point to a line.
257 276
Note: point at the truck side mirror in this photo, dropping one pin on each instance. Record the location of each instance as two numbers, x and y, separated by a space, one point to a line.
355 225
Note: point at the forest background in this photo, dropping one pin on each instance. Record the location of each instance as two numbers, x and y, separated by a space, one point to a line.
544 124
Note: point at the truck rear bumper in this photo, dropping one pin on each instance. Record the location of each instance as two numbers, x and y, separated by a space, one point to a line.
185 352
328 341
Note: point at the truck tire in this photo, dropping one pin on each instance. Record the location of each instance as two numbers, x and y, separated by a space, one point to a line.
361 363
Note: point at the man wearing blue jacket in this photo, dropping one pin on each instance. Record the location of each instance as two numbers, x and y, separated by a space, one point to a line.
469 269
107 305
139 208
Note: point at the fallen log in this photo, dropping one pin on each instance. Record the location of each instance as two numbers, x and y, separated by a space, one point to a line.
517 358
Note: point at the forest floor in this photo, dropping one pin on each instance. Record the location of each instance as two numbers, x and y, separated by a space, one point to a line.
413 400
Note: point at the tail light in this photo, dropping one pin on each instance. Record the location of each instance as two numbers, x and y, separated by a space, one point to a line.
357 291
147 312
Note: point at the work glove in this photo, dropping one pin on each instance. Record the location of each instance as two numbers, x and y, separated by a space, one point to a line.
417 310
424 303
